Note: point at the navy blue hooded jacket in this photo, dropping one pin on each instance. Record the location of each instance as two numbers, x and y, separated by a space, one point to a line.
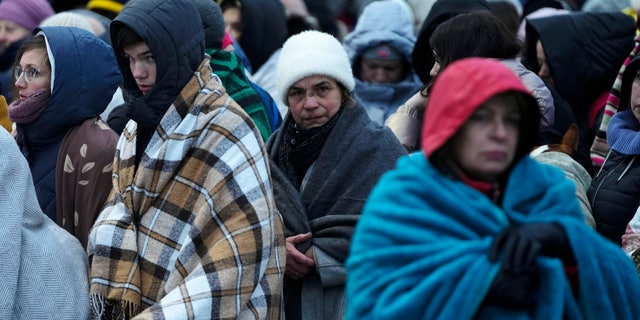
84 77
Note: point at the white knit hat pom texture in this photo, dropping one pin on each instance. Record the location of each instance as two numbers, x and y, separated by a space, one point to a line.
312 53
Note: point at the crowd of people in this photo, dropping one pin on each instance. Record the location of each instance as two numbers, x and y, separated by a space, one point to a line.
304 159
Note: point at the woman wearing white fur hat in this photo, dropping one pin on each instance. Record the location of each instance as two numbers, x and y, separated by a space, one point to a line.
325 159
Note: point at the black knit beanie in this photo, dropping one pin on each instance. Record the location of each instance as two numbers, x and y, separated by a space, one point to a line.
212 21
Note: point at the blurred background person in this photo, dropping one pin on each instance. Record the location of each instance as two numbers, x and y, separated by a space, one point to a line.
407 120
557 53
259 26
380 49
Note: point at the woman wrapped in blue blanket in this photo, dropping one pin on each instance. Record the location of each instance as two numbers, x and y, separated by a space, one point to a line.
472 227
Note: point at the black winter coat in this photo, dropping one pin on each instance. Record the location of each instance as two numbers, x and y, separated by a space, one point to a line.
614 194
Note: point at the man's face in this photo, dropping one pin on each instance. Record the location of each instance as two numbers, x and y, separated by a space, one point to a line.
142 65
11 32
381 71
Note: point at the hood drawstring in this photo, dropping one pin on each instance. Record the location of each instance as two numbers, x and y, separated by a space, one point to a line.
605 161
627 168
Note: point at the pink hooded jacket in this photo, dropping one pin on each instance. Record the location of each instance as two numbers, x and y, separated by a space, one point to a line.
463 87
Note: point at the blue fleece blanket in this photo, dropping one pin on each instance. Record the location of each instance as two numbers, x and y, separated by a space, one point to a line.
420 249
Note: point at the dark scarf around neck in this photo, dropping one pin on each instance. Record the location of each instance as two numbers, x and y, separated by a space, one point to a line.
300 148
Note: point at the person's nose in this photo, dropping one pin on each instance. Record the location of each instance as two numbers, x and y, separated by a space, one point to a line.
21 83
138 71
310 101
434 70
544 71
3 35
499 130
380 76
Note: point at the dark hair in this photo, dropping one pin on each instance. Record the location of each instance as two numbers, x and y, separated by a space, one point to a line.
533 6
441 11
226 4
473 34
125 37
442 158
297 23
32 43
507 13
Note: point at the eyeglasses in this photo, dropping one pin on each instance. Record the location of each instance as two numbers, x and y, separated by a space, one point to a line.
30 73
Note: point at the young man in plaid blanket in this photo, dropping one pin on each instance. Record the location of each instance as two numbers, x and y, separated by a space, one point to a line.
191 229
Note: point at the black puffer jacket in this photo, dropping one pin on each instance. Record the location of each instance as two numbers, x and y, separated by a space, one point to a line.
614 194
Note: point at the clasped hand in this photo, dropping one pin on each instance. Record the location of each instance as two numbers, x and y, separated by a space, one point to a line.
299 264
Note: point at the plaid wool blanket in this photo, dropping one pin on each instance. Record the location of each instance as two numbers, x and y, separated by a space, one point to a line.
193 231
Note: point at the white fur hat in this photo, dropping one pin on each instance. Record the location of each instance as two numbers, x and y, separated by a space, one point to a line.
312 53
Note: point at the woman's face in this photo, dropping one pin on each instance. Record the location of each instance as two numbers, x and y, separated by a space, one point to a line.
486 144
33 73
635 96
314 100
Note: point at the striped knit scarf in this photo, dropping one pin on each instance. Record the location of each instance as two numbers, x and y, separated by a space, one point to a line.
599 147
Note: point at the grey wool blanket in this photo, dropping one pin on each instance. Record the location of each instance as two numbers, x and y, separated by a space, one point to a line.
43 268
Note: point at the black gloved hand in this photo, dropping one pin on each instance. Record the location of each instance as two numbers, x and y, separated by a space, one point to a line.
521 245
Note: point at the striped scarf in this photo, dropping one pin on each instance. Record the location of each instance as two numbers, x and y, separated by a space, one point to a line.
599 147
228 68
